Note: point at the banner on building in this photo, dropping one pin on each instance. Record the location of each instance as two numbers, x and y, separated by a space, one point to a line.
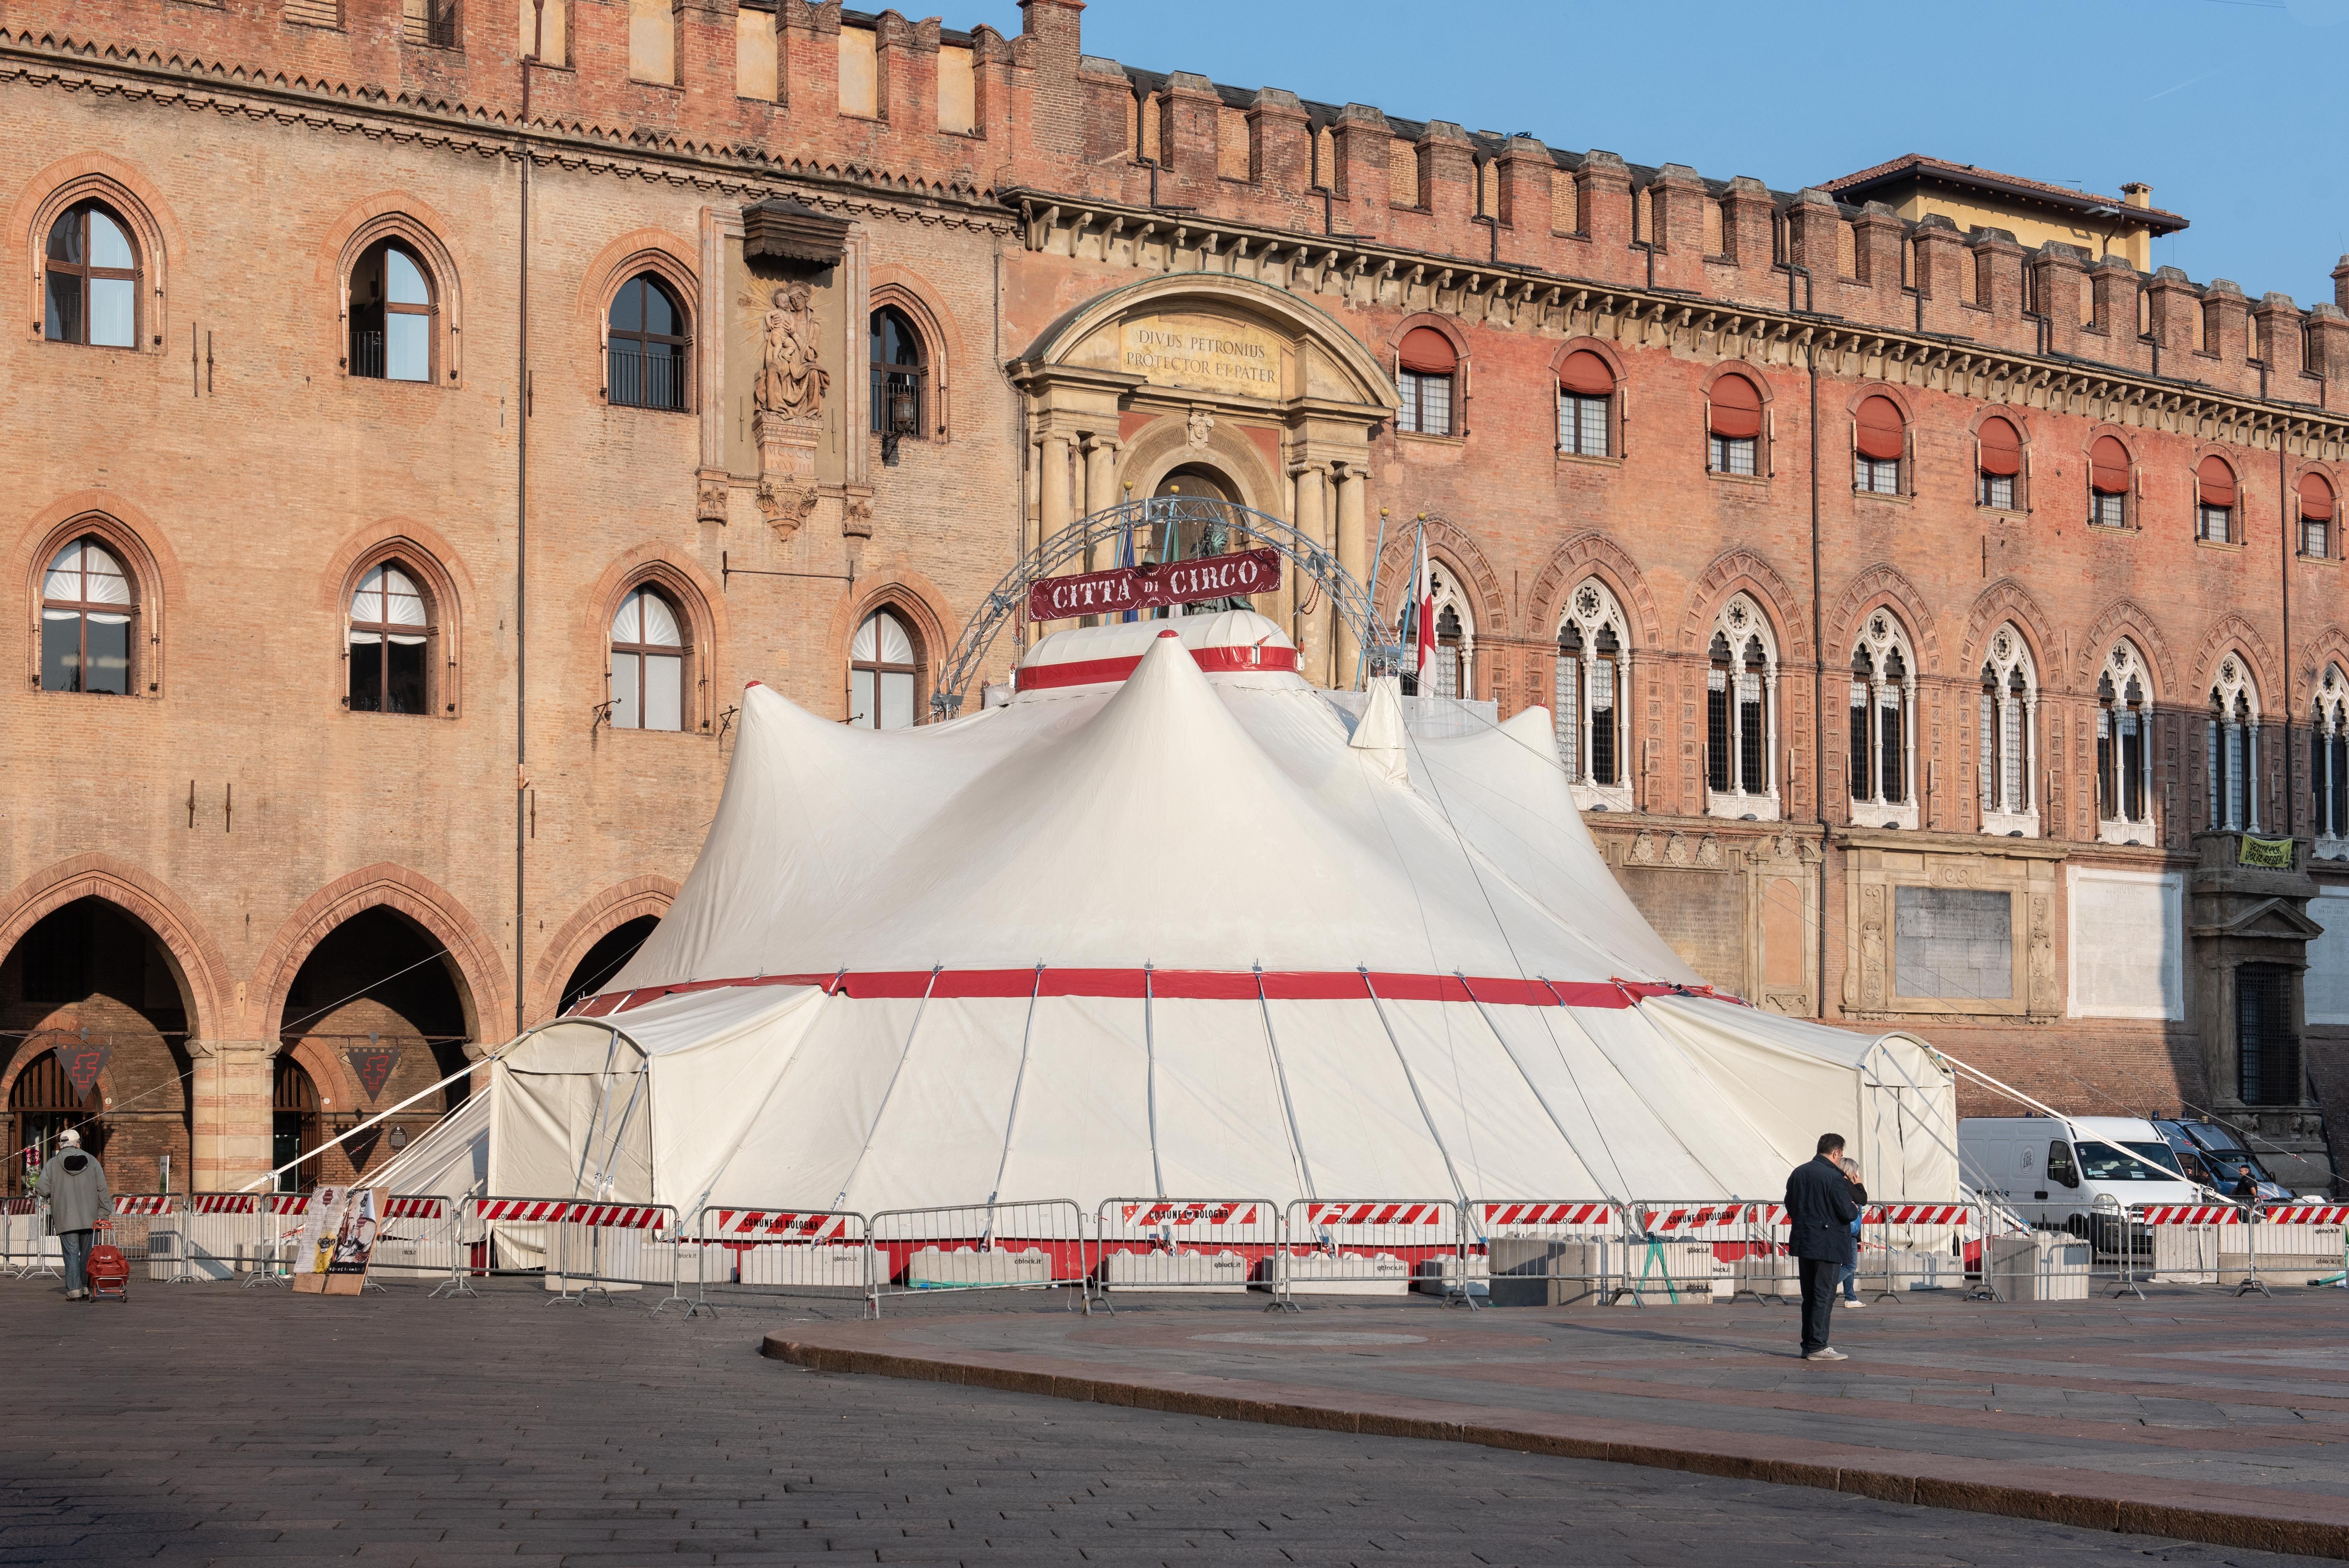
373 1067
2274 853
81 1062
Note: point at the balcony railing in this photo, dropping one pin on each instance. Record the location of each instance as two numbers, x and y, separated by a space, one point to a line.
636 379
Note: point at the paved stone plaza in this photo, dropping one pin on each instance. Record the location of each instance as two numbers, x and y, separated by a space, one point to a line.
204 1425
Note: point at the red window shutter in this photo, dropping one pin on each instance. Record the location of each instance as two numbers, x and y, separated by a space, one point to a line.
2316 497
2002 448
1427 352
2109 467
1737 408
1585 374
2216 481
1881 430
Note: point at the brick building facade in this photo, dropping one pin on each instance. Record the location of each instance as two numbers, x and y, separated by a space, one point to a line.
1941 630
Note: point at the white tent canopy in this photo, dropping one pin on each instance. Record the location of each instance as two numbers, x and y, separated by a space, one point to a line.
1171 923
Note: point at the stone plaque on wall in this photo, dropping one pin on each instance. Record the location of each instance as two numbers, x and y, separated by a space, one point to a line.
1957 943
1202 353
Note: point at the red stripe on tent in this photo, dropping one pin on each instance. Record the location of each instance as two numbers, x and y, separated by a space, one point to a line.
1182 985
1102 672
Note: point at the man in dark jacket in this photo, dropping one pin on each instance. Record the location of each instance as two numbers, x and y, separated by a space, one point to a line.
73 1189
1821 1208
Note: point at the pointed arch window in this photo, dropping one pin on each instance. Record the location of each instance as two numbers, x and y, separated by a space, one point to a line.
1741 719
90 291
901 376
882 671
2328 763
1883 725
389 631
392 313
1592 698
2007 760
647 346
2232 744
2125 748
87 603
1453 672
647 671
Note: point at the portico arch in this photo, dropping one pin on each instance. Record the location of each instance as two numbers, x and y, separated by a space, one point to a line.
1204 369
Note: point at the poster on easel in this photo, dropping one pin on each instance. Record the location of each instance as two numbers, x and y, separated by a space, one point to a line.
354 1249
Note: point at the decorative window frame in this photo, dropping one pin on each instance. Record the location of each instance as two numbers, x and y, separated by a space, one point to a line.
2234 686
697 713
685 289
1904 481
2238 515
1445 592
2123 661
2132 499
2022 428
2328 722
1462 372
447 292
1882 634
1590 607
938 358
425 569
1765 445
2332 542
150 239
2006 654
128 548
1618 401
1740 616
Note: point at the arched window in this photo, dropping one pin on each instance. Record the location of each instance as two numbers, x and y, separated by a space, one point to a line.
92 292
900 376
1879 439
389 631
87 605
391 315
647 679
1453 672
881 674
1586 403
2108 483
1734 422
2125 748
1998 464
2214 500
1593 699
1741 700
2316 516
2010 726
2328 762
646 358
2232 734
1883 725
1425 366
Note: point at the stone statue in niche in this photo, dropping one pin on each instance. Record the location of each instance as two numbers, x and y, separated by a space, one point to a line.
792 384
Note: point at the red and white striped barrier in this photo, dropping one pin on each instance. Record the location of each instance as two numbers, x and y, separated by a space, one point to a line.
147 1204
289 1203
225 1203
1548 1213
2189 1214
806 1227
1695 1216
570 1211
1145 1215
1915 1215
1377 1213
425 1208
2309 1214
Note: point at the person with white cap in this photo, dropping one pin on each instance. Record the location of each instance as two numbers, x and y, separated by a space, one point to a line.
73 1188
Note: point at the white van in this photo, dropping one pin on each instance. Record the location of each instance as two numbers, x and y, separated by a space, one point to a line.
2048 1169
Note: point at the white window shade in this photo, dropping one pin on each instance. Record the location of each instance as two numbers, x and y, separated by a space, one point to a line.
84 571
664 692
387 597
626 685
882 640
659 618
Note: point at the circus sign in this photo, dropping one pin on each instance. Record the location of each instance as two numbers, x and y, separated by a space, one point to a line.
1155 585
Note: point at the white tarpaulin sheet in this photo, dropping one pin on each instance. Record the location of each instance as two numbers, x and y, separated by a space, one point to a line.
1182 934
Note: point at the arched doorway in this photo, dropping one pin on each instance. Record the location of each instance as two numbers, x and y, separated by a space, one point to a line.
1208 534
375 1015
294 1123
92 976
606 958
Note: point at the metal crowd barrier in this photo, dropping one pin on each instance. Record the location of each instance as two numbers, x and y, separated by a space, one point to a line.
1033 1245
1373 1246
419 1238
1544 1252
27 1251
1910 1246
756 1253
1212 1244
599 1247
1679 1247
147 1230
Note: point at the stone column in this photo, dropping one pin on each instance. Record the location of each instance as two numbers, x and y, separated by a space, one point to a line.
1055 500
1314 646
1353 554
1100 494
231 1095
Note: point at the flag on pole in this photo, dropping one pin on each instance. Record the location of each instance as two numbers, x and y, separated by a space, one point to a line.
1423 659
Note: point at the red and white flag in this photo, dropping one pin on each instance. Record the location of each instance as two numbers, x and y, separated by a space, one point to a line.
1423 657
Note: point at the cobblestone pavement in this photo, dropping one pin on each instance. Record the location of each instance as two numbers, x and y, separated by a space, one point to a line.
205 1425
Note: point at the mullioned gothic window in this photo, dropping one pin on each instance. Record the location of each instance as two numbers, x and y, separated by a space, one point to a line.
1592 698
2125 748
1883 724
1741 714
2232 746
2007 737
2328 764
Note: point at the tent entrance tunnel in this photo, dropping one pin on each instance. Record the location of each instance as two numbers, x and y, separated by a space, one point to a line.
1009 956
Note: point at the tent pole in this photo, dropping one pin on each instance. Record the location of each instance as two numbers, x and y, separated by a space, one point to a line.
1412 1078
1280 1077
1150 1080
883 1108
1011 1122
1549 1110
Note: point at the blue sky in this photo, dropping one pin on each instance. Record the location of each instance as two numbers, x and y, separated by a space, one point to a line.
2231 109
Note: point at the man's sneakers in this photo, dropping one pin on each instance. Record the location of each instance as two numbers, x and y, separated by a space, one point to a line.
75 1294
1828 1353
1853 1301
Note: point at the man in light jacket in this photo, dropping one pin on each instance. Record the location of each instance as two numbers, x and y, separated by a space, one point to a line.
1820 1209
72 1186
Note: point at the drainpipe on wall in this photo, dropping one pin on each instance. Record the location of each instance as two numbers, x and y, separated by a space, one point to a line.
2283 585
522 580
1819 677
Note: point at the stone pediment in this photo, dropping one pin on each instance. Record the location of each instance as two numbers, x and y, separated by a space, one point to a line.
2269 919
